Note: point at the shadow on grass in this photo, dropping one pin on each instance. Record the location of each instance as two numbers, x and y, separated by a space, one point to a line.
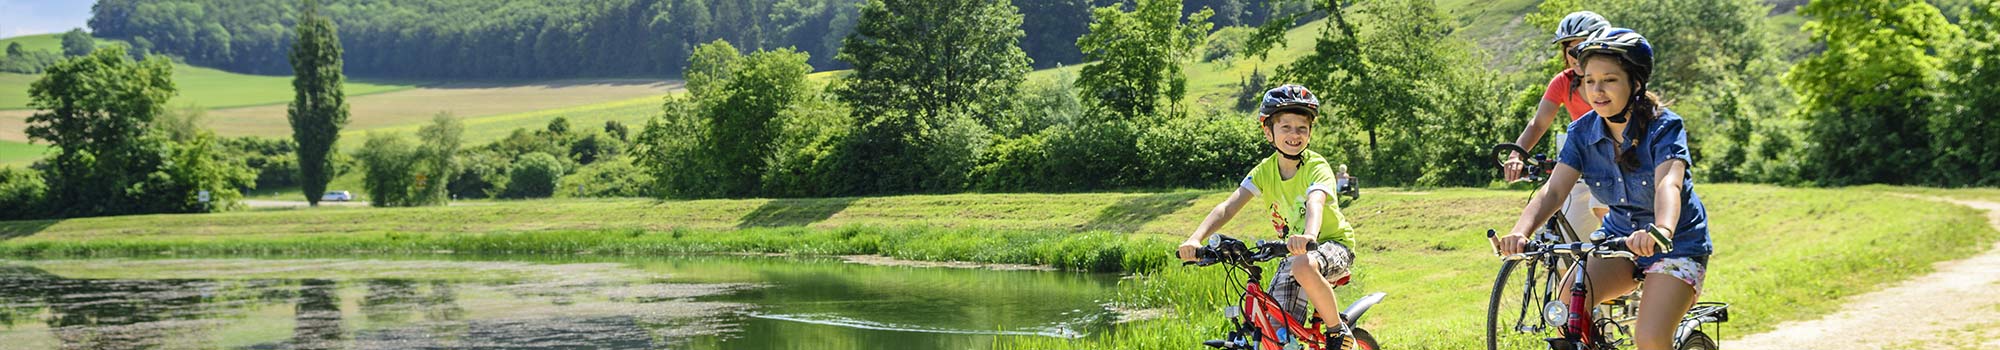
1132 213
794 212
16 229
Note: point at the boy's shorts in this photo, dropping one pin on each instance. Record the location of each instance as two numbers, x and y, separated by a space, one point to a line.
1334 261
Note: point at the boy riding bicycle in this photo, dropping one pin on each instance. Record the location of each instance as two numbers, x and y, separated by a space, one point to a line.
1299 187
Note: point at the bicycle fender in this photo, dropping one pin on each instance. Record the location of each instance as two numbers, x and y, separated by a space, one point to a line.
1359 307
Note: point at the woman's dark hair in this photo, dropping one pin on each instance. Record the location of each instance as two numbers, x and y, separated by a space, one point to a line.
1640 112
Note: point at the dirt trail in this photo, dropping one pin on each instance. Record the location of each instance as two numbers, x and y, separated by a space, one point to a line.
1956 307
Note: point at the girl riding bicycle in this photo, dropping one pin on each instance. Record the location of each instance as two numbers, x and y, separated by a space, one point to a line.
1633 153
1299 187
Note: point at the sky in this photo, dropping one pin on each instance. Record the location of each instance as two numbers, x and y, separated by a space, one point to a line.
27 17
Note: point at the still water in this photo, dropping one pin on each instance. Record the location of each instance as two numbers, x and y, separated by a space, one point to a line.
681 302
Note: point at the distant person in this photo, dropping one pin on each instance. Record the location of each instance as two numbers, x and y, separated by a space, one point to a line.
1634 153
1298 186
1348 188
1562 94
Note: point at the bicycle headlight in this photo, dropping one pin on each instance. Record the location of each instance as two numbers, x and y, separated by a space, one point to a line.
1556 313
1232 312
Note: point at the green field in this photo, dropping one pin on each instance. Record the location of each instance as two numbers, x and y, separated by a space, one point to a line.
1783 253
19 153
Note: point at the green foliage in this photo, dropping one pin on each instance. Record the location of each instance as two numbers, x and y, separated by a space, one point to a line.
728 127
1868 96
1202 152
534 176
1139 56
1966 136
98 110
613 177
805 154
389 163
21 194
76 43
399 174
918 66
595 146
482 174
1042 104
436 160
1420 99
1228 44
275 161
319 107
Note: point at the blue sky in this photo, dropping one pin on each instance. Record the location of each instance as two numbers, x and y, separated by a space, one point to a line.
24 17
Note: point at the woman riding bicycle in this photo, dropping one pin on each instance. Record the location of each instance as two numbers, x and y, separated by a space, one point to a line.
1633 153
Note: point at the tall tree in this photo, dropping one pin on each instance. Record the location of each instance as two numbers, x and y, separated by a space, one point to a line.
1867 96
1139 56
319 106
920 66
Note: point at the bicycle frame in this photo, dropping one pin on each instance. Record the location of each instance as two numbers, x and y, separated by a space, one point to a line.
1261 311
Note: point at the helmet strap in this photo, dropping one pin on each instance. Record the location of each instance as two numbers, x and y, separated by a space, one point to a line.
1292 157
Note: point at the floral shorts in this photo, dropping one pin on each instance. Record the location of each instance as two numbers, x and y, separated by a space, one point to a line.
1686 269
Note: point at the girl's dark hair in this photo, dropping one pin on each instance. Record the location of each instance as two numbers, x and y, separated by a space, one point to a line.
1643 109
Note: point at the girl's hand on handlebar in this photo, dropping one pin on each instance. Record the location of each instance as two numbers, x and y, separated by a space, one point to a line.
1510 244
1642 243
1297 244
1187 250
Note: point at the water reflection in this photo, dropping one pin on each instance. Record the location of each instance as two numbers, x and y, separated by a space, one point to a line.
550 303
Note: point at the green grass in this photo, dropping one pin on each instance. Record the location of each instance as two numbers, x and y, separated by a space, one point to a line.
19 153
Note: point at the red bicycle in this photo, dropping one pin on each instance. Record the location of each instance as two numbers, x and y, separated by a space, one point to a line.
1259 323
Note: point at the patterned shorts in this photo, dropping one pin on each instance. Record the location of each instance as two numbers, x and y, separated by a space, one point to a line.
1686 269
1334 262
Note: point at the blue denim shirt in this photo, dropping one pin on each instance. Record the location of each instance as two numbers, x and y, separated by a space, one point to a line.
1592 151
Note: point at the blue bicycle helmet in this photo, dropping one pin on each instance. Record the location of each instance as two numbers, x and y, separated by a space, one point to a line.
1288 98
1625 44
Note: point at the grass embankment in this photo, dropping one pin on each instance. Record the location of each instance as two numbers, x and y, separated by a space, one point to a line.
1783 254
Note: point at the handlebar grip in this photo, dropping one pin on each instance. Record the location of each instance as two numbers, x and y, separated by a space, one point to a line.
1505 147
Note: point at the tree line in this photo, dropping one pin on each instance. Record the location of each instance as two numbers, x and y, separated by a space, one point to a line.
546 38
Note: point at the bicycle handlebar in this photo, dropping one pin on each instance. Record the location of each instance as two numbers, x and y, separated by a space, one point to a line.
1534 169
1607 248
1233 251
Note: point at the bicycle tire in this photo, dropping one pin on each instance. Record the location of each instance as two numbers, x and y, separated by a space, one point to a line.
1697 341
1365 340
1516 305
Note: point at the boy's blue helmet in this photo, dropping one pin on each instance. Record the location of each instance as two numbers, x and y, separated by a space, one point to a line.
1288 98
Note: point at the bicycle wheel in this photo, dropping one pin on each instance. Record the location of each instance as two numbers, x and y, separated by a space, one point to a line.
1697 341
1513 314
1365 341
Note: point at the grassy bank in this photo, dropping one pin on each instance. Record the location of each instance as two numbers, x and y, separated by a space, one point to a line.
1783 254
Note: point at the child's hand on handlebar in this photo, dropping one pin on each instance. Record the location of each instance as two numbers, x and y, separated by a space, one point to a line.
1187 250
1510 244
1297 244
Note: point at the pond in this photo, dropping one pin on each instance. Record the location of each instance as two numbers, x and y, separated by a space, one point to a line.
470 302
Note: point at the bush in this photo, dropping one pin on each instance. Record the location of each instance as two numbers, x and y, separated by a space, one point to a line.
533 176
1199 151
387 160
482 174
615 177
803 157
272 159
21 194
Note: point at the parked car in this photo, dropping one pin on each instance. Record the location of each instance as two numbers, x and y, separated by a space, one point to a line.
337 196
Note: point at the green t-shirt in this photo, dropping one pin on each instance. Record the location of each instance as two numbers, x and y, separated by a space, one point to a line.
1287 197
